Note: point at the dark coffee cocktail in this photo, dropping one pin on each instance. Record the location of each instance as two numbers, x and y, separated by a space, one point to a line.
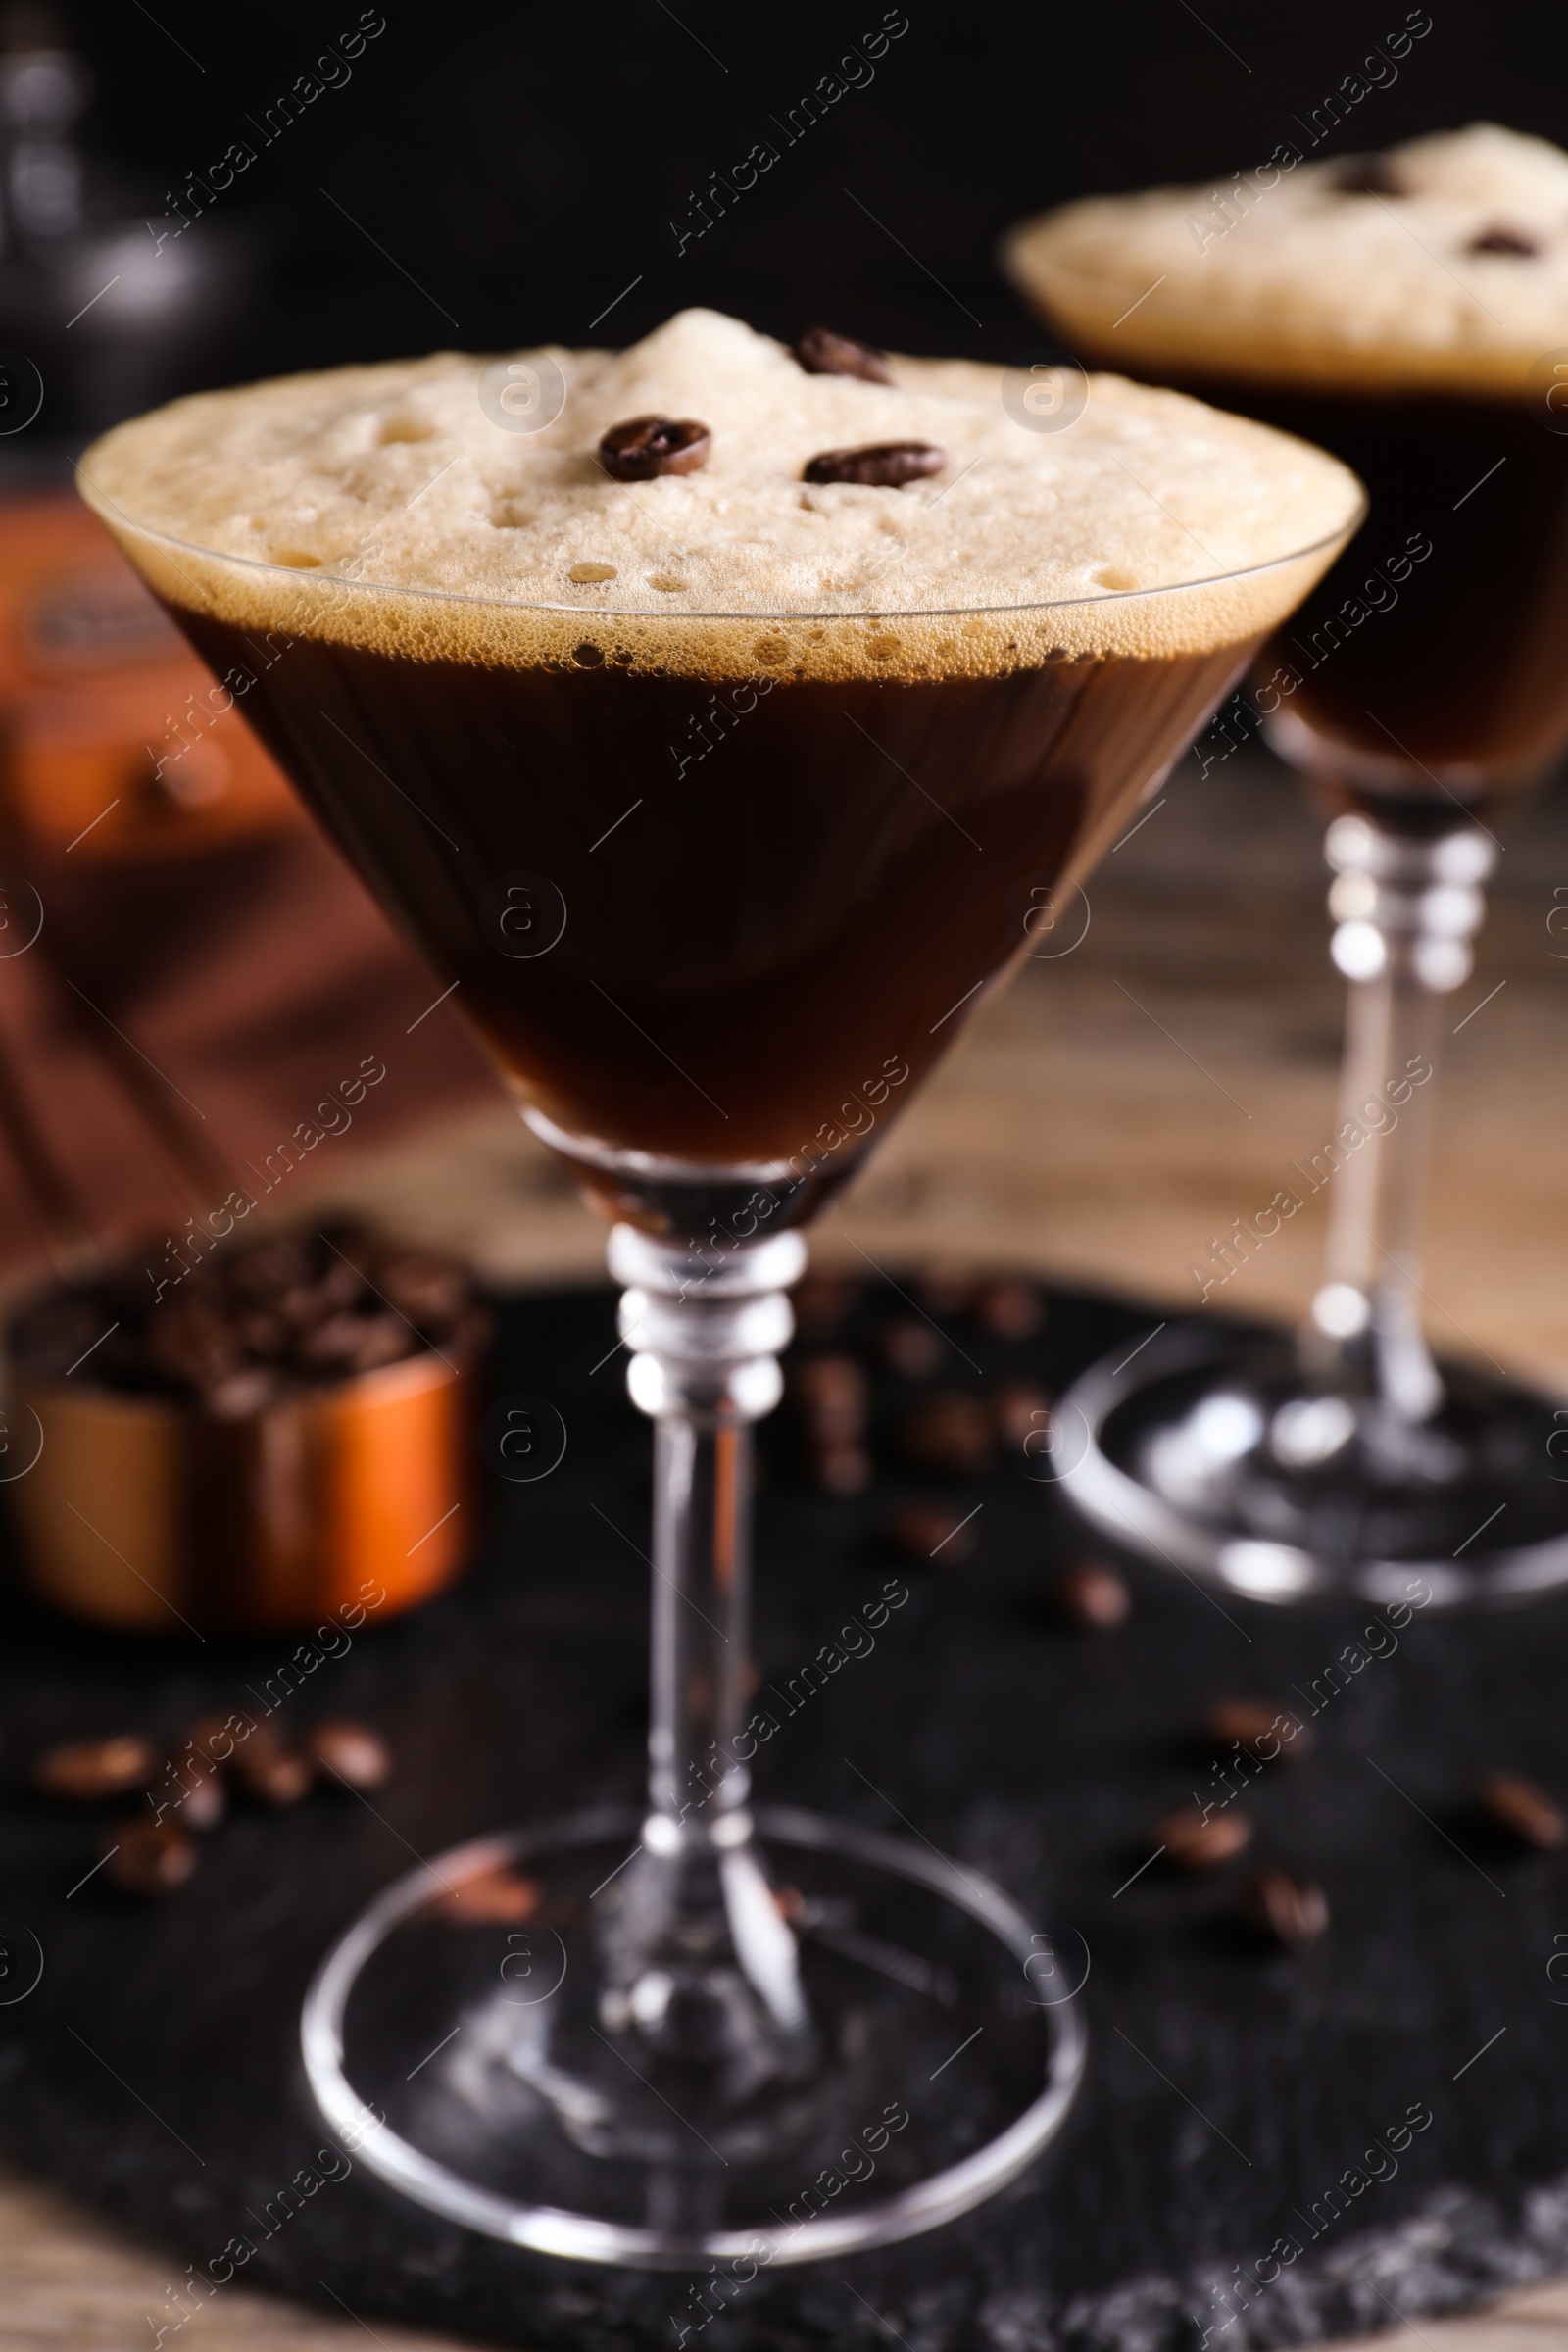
720 885
1409 312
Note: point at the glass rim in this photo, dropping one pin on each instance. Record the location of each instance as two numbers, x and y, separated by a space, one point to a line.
102 507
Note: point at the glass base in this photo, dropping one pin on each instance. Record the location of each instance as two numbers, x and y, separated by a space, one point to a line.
459 2039
1212 1451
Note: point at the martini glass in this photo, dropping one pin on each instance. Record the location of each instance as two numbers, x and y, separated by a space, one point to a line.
1419 691
715 920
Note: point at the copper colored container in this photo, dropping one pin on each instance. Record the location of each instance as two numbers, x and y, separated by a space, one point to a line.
351 1501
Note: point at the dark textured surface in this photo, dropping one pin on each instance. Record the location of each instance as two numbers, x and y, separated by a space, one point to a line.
153 2073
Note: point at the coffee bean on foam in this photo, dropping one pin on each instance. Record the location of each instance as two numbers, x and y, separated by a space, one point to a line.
646 446
821 352
880 465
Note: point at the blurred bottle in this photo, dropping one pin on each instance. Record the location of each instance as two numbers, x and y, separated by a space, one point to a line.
113 318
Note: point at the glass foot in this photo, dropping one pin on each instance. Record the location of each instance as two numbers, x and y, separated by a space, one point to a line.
1210 1451
464 2038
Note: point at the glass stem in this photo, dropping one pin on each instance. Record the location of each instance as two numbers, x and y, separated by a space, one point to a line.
1406 908
700 1961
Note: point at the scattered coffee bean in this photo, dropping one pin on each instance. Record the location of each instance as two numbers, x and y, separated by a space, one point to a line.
1367 176
214 1738
839 1468
193 1792
263 1744
910 1348
1258 1728
948 1289
830 1395
493 1898
1194 1844
83 1772
821 1302
350 1751
1522 1811
1288 1910
1090 1594
879 465
634 452
1504 240
926 1531
277 1778
1022 1414
1012 1309
821 352
150 1857
950 1433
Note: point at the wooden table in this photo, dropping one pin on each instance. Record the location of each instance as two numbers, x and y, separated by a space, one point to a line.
1103 1119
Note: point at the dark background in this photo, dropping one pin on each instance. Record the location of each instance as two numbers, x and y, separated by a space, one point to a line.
511 168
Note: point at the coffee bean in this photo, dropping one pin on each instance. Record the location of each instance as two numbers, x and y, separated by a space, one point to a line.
83 1772
1090 1594
1504 240
1258 1728
150 1857
1286 1909
350 1751
838 1467
280 1779
879 465
830 1395
948 1289
821 1302
950 1433
266 1269
1522 1811
1022 1413
193 1792
1194 1844
821 352
1367 176
423 1287
1013 1309
634 452
213 1739
257 1742
348 1344
925 1530
910 1348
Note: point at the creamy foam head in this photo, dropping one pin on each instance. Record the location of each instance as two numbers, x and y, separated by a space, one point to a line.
1290 273
464 538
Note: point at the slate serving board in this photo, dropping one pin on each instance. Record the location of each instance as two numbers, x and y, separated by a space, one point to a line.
1234 2099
